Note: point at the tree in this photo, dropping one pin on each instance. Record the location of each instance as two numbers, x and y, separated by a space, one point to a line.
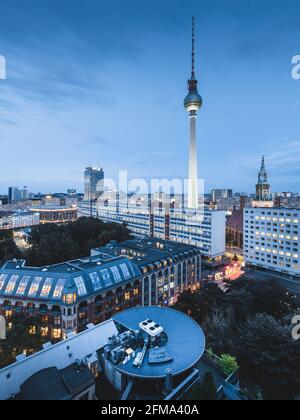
24 336
228 364
8 250
52 244
249 297
201 303
268 356
235 258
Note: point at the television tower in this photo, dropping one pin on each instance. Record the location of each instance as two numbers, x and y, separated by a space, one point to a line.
192 104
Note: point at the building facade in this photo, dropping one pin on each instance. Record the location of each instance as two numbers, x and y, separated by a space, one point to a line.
271 239
20 219
204 229
235 229
93 183
53 214
221 194
67 297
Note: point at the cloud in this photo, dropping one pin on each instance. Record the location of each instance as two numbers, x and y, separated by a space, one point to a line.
282 158
7 122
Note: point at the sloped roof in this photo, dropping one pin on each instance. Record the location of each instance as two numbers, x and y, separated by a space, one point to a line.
84 276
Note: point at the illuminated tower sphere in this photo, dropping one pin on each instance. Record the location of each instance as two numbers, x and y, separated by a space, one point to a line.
192 104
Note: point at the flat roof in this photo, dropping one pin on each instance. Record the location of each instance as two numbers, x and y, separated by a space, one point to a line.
185 341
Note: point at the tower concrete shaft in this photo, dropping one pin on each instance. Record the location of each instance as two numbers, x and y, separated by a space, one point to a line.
193 164
192 104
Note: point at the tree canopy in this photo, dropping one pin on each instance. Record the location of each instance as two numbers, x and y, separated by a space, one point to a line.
251 321
52 244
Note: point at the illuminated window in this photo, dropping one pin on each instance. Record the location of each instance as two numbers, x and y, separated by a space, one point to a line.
96 281
44 331
56 333
47 286
11 285
136 292
32 330
35 286
3 277
69 299
57 294
80 286
116 274
125 271
23 285
127 296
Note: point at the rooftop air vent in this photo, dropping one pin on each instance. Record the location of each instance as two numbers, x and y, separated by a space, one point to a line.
151 328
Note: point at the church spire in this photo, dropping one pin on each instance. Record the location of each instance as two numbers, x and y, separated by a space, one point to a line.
263 187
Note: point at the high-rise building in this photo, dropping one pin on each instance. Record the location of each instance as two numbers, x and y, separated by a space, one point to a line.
192 104
271 239
93 183
14 195
202 228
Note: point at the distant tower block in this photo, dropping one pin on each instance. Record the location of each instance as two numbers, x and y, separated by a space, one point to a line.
192 104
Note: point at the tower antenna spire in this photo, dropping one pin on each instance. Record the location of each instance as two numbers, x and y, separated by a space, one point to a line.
193 47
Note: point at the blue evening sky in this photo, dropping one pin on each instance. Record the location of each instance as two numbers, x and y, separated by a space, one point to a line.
104 82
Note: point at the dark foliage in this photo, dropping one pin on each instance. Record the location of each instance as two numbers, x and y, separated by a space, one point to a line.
251 321
52 244
269 356
24 336
8 250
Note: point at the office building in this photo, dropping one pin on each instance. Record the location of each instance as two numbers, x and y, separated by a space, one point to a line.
221 194
202 228
93 183
55 214
19 219
271 239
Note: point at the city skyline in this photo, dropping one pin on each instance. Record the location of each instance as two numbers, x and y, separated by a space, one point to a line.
63 103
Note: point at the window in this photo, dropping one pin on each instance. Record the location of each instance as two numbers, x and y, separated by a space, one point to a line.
3 277
57 294
70 299
44 331
56 333
11 285
116 274
80 286
96 281
35 286
46 288
127 296
106 277
23 285
125 271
